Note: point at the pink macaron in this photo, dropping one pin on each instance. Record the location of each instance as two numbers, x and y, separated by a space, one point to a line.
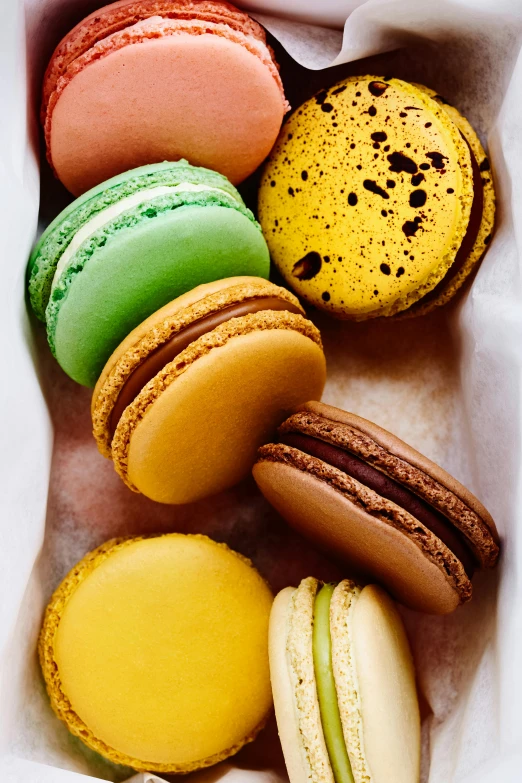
142 81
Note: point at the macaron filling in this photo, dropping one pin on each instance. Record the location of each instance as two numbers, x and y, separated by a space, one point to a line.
169 350
387 488
326 690
470 237
105 216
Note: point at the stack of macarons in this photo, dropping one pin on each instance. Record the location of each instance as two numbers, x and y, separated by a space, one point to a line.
129 246
164 653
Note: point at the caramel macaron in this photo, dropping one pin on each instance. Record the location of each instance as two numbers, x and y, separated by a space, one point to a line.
186 400
371 500
377 199
154 652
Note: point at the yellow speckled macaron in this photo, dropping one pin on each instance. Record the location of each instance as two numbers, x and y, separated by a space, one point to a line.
377 199
155 652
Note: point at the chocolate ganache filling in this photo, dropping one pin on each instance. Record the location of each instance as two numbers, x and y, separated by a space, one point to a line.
168 351
387 488
470 237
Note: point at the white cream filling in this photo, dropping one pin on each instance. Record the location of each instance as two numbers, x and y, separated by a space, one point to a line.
108 214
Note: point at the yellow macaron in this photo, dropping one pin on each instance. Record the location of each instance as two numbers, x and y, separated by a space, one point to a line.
377 199
155 652
185 401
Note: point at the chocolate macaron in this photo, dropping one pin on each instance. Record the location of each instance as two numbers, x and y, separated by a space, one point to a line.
185 401
373 501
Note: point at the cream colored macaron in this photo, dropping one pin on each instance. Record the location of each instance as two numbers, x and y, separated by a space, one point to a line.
154 652
344 685
185 401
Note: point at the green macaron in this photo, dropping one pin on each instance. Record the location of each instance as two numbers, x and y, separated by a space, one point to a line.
130 245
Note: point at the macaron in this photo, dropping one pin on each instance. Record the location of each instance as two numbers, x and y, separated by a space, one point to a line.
186 400
344 685
155 652
141 81
375 503
377 199
129 246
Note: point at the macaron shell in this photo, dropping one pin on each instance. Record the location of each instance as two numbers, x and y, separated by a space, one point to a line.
57 236
205 97
342 606
345 177
158 605
365 543
117 16
487 224
283 690
159 328
399 448
386 679
138 270
199 434
299 647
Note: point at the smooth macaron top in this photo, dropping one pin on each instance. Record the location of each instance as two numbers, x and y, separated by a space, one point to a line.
375 180
154 652
344 685
185 401
117 16
201 73
388 510
126 248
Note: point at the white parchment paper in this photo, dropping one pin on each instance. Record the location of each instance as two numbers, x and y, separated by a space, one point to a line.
450 384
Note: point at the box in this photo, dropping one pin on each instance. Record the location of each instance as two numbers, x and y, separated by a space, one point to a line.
450 384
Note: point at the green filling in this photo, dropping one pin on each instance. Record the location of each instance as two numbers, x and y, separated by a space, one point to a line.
326 692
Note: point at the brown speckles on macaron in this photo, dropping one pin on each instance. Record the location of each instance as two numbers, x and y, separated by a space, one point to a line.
410 227
377 88
373 187
437 159
418 198
400 162
371 193
308 266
